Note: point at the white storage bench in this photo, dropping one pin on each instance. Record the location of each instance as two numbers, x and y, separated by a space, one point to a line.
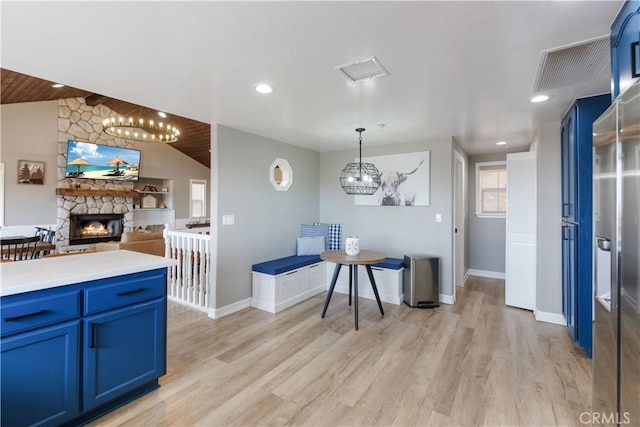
283 282
387 274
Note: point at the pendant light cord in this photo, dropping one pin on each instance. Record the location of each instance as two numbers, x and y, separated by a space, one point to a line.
360 158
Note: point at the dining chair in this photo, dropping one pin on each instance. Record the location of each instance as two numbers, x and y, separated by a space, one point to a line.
19 249
46 235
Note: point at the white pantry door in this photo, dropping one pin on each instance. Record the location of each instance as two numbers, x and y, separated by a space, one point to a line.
520 277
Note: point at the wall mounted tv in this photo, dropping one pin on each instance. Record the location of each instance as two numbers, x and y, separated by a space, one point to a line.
96 161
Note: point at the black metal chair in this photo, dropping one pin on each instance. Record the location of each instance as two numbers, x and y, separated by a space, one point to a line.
46 235
19 249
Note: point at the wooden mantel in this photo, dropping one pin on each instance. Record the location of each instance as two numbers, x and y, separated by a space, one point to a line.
95 193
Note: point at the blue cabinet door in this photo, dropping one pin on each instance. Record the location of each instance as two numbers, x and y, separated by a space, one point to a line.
125 349
625 48
569 276
40 376
568 159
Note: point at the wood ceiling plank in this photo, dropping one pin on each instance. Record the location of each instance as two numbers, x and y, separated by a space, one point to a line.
195 136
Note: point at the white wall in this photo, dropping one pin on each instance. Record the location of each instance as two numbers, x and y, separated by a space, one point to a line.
549 269
396 230
29 132
267 222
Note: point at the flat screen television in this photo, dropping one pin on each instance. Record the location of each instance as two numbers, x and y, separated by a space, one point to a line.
96 161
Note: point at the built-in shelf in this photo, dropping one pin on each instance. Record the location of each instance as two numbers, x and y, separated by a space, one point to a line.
95 193
151 192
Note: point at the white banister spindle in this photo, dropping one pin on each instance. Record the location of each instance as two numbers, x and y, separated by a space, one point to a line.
189 280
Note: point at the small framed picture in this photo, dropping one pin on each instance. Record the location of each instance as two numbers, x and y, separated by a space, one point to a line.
30 172
148 202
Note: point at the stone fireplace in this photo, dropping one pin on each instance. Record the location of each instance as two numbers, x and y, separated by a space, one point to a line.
77 120
94 228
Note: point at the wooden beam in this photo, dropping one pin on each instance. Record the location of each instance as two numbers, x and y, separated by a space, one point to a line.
96 99
96 193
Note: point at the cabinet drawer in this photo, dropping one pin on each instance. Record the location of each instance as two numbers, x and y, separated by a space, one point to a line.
125 290
21 314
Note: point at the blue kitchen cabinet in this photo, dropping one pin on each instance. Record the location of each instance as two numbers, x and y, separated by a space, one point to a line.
72 353
576 146
125 350
569 173
569 275
40 376
625 47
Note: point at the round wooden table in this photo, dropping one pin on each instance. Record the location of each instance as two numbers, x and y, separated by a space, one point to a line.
365 258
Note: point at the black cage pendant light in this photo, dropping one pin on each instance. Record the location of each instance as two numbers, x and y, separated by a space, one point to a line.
360 178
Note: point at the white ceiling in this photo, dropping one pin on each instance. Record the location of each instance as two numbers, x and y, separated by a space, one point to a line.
461 69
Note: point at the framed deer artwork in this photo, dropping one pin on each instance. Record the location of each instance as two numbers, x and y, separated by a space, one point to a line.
404 180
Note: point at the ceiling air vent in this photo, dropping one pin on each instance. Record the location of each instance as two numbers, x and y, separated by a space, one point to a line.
572 65
366 69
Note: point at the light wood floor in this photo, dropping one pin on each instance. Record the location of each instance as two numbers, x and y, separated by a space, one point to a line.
474 363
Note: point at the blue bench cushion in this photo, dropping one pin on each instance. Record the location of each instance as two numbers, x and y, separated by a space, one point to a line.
282 265
391 264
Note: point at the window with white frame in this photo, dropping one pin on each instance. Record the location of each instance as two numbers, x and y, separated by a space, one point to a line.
197 198
491 189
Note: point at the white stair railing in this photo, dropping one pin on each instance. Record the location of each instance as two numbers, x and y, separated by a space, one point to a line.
188 282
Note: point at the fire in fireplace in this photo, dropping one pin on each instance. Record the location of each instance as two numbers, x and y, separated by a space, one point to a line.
96 228
93 228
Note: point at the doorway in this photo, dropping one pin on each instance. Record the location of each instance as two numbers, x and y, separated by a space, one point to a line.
459 218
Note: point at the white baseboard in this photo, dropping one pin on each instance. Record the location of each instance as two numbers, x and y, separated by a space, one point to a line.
486 273
545 316
195 307
466 276
217 313
446 299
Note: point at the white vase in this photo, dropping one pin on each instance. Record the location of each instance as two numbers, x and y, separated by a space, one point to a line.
352 246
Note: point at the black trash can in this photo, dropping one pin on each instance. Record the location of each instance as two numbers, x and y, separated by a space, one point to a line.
421 281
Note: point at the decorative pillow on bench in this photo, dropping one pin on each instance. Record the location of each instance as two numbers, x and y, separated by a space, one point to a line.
335 235
310 245
307 230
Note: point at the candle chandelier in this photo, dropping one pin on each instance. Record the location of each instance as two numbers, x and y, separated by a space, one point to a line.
360 178
140 130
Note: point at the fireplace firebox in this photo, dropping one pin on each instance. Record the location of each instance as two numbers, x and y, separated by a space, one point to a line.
94 228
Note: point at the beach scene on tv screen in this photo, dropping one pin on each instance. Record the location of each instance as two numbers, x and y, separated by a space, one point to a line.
87 160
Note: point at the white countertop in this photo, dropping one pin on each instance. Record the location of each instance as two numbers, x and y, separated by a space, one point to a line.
33 275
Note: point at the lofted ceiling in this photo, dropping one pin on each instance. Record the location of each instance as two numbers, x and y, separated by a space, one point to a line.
195 139
457 69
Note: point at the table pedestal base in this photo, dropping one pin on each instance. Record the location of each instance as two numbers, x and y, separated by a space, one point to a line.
353 283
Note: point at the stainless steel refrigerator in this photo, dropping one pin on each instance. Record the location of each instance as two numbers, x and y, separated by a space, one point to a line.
616 327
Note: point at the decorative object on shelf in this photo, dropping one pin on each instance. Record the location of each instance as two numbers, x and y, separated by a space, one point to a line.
360 178
150 187
148 202
30 172
404 180
352 245
165 189
281 174
140 130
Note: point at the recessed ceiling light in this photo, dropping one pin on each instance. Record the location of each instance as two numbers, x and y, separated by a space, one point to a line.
163 115
501 143
57 85
263 88
539 98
